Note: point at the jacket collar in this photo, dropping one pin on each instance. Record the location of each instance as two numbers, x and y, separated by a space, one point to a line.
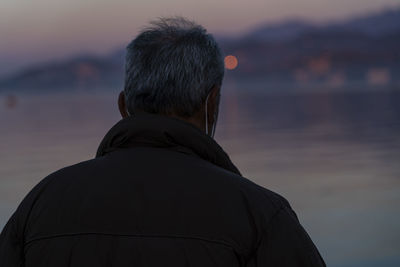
147 129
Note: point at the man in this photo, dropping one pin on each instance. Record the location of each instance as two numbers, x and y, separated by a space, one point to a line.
161 191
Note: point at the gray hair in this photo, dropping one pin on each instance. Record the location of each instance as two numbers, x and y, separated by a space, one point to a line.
171 67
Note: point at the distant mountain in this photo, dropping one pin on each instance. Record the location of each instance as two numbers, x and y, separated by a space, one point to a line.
280 31
378 24
363 51
383 23
82 72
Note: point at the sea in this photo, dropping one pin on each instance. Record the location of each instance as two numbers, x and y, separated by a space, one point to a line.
333 154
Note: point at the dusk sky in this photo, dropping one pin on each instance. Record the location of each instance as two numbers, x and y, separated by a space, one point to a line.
43 30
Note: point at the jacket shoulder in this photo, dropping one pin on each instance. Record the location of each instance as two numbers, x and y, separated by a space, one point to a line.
262 202
263 199
22 213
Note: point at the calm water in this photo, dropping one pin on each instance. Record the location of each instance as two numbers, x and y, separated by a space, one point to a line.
334 156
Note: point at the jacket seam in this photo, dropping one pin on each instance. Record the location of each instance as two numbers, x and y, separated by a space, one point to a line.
220 242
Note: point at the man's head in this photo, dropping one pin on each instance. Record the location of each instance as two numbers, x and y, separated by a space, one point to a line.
172 68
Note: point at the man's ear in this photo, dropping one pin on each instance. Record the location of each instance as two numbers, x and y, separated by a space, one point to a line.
122 105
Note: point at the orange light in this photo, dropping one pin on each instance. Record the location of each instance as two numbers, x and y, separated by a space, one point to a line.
231 62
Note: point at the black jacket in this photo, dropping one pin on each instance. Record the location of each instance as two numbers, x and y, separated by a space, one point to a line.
159 193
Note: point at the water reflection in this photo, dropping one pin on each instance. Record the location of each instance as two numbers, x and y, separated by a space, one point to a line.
10 101
334 156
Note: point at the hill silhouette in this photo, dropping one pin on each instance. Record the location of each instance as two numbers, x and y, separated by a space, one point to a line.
358 52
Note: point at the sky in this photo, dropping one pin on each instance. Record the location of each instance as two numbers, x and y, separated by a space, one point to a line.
34 31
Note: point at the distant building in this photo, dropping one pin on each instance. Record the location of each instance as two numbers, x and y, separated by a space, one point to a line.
378 76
